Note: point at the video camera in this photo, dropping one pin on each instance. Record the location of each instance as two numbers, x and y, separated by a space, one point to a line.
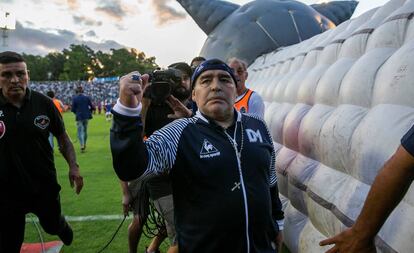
163 83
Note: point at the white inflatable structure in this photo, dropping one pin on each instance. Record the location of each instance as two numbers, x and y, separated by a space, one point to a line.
337 106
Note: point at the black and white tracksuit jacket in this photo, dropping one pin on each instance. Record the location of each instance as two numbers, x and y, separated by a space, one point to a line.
224 181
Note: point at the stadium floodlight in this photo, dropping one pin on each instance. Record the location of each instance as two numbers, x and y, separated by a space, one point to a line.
7 23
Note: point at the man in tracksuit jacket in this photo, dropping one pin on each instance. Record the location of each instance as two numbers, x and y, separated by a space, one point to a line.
221 163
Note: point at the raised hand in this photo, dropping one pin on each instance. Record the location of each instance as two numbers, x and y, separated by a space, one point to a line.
131 87
180 110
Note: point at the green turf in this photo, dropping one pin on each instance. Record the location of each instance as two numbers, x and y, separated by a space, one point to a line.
101 194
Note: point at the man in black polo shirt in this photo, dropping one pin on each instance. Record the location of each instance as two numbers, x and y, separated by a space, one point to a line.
28 182
387 190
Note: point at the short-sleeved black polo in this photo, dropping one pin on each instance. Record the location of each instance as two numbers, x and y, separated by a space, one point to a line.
26 158
407 141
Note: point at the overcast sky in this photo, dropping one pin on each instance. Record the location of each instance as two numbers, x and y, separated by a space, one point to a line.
160 28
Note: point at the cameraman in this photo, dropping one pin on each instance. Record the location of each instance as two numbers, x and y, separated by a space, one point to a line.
158 111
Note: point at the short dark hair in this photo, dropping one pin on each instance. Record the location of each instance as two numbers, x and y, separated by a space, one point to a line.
183 67
10 57
198 58
50 94
79 89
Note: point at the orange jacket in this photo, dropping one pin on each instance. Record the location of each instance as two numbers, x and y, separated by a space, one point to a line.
58 105
243 104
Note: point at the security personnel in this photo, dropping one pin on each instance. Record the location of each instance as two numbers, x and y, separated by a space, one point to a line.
223 200
28 182
59 105
242 104
247 101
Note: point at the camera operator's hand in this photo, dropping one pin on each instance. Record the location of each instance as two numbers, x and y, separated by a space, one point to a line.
180 110
131 87
126 202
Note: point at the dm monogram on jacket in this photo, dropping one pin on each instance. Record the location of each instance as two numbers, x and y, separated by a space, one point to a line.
254 136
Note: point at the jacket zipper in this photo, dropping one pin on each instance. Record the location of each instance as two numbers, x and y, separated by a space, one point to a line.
246 210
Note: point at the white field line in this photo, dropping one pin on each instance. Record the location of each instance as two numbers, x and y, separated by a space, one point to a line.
86 218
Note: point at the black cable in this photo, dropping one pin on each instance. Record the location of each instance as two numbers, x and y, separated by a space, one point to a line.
155 223
39 232
113 236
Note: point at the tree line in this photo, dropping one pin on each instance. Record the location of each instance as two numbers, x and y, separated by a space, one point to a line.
79 62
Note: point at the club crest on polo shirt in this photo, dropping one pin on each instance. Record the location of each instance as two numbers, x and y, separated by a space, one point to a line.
2 129
208 150
42 121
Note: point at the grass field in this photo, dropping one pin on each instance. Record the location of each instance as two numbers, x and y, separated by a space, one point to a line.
101 194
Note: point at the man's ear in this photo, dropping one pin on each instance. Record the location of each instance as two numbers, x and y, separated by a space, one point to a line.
193 95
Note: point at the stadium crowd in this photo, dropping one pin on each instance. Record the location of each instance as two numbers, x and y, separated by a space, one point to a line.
99 92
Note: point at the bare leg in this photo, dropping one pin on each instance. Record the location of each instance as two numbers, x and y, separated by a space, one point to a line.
156 242
173 249
134 234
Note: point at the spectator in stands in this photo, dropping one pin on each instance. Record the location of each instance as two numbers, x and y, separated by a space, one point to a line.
224 201
28 182
100 107
82 107
94 106
59 105
387 190
155 116
247 100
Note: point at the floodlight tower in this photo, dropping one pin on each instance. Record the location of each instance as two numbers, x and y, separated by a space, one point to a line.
7 23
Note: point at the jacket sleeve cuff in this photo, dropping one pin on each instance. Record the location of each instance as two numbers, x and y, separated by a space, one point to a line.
127 111
280 224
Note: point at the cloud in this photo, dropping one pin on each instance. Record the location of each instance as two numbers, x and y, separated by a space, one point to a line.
120 27
112 8
91 34
41 42
166 14
82 20
72 4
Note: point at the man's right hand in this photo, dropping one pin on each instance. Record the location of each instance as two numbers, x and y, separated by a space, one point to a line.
131 87
126 201
349 241
179 109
